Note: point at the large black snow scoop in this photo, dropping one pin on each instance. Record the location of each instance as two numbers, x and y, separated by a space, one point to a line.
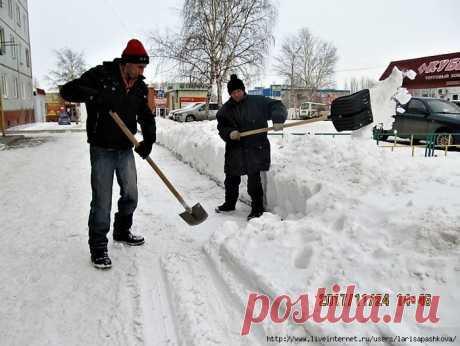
348 113
193 216
351 112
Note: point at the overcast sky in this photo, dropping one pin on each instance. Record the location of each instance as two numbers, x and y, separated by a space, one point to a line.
368 34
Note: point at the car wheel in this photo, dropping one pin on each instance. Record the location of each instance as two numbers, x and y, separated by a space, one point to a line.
189 118
443 139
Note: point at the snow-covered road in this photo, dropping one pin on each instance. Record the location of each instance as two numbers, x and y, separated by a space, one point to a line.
344 213
51 295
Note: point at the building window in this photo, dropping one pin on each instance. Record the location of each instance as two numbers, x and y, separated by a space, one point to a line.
25 94
2 41
4 87
10 8
13 47
15 88
18 15
27 57
1 3
19 50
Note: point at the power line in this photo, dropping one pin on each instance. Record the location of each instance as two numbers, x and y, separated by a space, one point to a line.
360 69
117 14
344 70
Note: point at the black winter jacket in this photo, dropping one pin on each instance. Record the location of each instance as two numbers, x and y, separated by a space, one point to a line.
132 106
250 154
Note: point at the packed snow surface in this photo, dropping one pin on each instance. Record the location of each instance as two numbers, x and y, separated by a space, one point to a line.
342 211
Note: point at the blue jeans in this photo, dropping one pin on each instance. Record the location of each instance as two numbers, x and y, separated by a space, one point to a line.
104 163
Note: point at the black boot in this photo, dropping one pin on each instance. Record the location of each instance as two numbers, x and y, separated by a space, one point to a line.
100 259
256 192
224 208
255 213
128 238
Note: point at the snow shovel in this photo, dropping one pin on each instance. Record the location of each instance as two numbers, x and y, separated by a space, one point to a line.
193 216
348 113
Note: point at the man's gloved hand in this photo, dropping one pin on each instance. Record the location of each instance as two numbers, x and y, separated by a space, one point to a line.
235 135
144 149
278 126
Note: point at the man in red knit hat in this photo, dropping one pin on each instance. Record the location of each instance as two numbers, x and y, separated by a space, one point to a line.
114 86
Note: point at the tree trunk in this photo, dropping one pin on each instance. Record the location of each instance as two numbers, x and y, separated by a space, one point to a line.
219 92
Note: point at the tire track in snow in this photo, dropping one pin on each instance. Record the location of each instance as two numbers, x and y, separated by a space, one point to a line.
205 313
199 304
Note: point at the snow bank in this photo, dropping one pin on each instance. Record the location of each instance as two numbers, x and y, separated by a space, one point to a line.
196 143
343 212
300 164
47 126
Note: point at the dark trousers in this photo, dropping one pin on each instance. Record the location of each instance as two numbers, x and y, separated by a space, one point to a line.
255 190
105 163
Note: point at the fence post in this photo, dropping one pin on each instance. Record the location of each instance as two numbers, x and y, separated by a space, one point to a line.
429 145
447 146
412 144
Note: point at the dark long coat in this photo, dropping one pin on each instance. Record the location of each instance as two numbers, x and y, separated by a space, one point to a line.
250 154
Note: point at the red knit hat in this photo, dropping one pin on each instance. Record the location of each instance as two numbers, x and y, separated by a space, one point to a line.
135 53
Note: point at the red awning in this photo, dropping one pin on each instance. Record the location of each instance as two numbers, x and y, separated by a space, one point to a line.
438 71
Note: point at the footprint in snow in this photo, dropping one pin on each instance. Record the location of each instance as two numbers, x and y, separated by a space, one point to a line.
302 258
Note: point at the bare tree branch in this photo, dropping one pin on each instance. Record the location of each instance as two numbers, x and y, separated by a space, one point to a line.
306 61
69 65
219 37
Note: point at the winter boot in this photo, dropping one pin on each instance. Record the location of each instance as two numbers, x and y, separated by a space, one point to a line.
255 213
224 208
100 259
128 238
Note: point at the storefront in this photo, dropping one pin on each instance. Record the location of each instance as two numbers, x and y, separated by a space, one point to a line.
437 76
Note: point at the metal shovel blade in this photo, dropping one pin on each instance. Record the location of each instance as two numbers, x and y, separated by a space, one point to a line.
196 216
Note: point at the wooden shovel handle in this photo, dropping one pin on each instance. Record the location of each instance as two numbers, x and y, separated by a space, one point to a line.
297 123
157 169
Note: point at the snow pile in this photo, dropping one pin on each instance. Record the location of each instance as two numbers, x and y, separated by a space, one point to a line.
46 126
196 143
300 164
380 256
347 213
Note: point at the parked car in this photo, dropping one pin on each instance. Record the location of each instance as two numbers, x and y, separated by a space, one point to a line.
423 115
173 112
310 110
197 113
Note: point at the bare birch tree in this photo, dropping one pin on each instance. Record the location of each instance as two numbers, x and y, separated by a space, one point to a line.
69 65
286 65
307 61
355 84
218 37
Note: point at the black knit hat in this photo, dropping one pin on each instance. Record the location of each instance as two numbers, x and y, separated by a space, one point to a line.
235 84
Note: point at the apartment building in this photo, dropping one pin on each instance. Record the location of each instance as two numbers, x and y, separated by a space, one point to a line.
15 64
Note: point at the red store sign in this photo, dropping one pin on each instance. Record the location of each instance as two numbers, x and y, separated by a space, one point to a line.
437 71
